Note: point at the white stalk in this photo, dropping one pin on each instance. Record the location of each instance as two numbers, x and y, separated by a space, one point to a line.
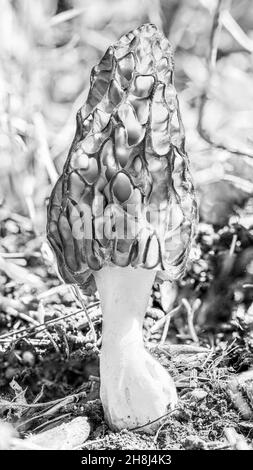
135 388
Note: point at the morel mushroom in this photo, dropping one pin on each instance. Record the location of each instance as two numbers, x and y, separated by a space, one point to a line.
123 211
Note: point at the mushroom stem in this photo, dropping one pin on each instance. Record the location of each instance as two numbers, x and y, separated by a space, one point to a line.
135 388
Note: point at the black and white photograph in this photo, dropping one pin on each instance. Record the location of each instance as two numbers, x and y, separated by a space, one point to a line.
126 230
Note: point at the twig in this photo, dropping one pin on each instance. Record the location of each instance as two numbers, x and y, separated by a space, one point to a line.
19 273
41 326
159 324
78 296
155 420
43 149
236 31
207 359
31 208
13 313
159 430
57 418
177 349
53 341
68 399
233 245
165 330
17 255
54 290
53 409
190 316
66 16
215 33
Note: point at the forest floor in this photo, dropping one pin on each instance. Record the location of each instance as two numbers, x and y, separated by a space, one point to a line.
201 330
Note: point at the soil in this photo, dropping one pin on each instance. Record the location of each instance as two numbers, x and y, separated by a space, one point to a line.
49 363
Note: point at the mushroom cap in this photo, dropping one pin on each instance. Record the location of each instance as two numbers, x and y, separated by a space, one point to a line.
126 196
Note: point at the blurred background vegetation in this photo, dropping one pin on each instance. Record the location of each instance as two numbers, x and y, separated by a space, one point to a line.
47 50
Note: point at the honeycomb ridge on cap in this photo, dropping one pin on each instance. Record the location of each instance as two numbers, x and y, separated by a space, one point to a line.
126 196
